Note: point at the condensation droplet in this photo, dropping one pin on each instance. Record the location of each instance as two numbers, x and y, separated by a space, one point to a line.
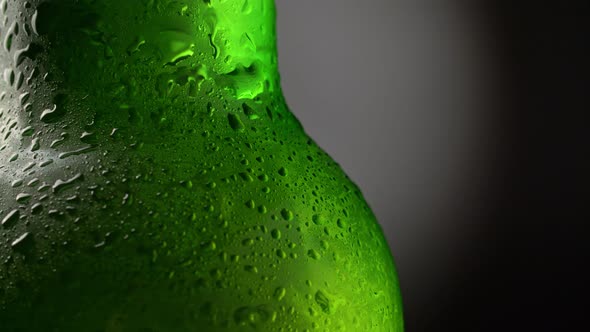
287 214
280 293
23 197
276 234
235 123
20 241
322 300
11 217
60 185
283 171
313 254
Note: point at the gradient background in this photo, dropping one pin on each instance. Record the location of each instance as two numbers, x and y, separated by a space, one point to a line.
462 124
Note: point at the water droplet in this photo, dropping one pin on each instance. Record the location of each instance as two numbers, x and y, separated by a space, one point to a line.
11 217
46 162
135 45
20 241
18 55
276 234
246 177
34 22
9 36
251 268
283 171
35 144
235 123
281 253
33 182
318 219
287 214
29 166
27 131
322 300
88 137
252 316
47 113
36 208
313 254
209 245
279 293
175 45
246 7
22 197
76 152
60 185
9 76
58 109
250 204
249 112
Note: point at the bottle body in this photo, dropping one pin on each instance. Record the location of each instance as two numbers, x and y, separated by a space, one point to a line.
155 180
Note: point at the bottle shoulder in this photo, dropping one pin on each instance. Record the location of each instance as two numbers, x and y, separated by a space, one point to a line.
240 216
263 174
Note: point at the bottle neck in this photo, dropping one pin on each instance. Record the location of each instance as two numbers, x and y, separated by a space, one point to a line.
143 70
181 45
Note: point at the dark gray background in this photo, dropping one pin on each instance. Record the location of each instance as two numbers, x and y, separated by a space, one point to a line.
400 93
465 125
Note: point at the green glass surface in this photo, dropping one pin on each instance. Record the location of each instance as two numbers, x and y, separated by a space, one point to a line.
152 179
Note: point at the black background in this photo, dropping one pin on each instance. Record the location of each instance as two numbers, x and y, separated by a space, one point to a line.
527 273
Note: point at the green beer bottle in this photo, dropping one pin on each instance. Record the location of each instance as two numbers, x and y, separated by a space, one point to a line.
152 179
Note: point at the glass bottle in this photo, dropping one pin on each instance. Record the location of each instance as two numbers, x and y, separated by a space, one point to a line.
152 178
